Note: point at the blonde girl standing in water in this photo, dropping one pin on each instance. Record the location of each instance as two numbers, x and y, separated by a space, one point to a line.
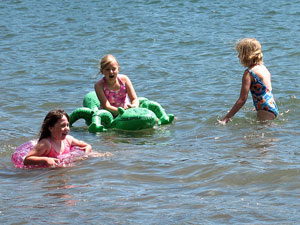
114 90
257 79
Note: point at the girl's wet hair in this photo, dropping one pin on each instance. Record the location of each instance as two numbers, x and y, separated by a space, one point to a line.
107 59
50 120
249 52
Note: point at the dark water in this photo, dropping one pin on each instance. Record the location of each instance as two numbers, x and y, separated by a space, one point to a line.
181 54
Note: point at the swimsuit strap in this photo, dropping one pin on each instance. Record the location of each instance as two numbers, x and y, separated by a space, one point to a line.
53 152
257 78
66 146
104 82
51 142
120 81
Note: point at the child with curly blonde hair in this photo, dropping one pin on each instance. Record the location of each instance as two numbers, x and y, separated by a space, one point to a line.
257 79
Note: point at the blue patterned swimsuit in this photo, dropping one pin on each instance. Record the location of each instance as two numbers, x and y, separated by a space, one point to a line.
262 97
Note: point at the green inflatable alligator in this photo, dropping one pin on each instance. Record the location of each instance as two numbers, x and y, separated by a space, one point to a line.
146 116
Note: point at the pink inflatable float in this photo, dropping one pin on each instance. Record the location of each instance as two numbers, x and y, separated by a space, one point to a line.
65 160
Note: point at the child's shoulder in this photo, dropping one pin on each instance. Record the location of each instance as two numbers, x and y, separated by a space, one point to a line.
123 77
45 141
261 70
69 138
99 83
43 145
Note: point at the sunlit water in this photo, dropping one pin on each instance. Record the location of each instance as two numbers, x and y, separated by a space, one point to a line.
181 54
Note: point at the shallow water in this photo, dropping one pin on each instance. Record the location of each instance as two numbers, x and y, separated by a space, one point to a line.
181 54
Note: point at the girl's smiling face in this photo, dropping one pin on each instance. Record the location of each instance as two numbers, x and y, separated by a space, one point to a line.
61 129
110 71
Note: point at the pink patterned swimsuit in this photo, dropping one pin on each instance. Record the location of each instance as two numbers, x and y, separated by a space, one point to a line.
117 98
55 154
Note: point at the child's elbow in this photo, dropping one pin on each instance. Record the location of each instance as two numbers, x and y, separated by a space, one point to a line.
242 100
26 161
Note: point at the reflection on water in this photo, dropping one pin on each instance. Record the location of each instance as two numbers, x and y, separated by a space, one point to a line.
58 189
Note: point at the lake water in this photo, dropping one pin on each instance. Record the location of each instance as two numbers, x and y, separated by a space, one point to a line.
180 54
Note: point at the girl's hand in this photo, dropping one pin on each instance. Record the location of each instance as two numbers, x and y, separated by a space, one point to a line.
224 121
52 162
130 106
81 144
86 149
